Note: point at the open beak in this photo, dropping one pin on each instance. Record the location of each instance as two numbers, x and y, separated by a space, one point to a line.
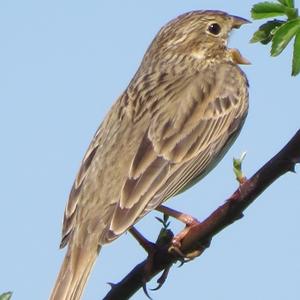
235 54
237 22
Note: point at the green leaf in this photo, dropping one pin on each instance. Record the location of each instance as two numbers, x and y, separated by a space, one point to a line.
163 221
292 13
283 36
267 10
282 2
166 218
237 168
288 3
265 32
296 55
6 296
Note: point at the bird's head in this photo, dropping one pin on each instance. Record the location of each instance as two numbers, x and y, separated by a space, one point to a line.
200 35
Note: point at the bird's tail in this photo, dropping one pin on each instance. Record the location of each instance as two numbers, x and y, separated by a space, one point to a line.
74 272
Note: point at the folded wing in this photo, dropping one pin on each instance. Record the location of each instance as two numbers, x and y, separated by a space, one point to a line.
185 139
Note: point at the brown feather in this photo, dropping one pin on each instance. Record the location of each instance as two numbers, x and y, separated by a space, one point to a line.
195 145
179 114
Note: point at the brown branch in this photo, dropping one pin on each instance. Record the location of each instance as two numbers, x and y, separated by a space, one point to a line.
198 237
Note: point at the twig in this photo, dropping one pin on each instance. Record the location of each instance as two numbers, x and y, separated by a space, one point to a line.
198 237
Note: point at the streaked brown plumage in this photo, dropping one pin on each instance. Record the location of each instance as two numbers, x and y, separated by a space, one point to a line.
174 122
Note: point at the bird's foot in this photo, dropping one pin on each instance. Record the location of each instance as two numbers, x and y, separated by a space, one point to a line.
177 245
190 222
152 249
162 279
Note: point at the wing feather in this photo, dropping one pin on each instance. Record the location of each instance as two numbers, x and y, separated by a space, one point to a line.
183 142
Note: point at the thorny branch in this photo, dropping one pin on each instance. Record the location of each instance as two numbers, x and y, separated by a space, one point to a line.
198 237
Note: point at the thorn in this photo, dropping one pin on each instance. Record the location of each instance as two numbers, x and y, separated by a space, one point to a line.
147 245
111 284
239 216
293 168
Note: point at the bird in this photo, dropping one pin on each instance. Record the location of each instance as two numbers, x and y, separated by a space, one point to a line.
178 116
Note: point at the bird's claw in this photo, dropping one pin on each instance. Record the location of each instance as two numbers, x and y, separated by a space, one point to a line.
146 291
162 279
185 257
176 245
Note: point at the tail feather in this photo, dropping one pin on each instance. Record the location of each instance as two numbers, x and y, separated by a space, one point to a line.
74 273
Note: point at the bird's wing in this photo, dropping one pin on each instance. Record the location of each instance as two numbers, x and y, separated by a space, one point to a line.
72 206
185 137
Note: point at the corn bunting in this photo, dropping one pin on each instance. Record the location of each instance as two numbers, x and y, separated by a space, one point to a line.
176 119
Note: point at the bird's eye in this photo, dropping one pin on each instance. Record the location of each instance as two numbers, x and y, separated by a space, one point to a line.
214 28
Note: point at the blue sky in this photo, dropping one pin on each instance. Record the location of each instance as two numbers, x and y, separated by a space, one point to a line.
62 64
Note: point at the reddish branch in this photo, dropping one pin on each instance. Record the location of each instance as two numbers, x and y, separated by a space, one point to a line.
198 237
